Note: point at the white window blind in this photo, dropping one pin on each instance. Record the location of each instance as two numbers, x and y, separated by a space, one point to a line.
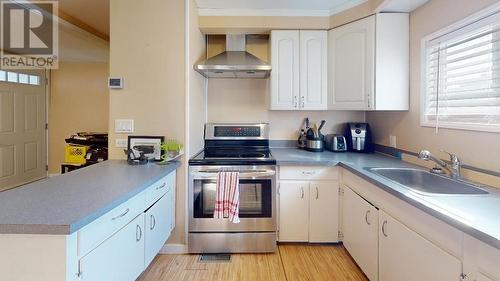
462 77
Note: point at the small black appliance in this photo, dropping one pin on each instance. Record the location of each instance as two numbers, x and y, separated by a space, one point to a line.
359 137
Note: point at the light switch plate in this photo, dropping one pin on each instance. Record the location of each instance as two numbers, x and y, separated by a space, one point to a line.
392 141
124 126
121 143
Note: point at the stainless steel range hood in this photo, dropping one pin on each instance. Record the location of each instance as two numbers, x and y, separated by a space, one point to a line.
235 62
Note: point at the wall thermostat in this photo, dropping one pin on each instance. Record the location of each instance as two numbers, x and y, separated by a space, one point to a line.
115 83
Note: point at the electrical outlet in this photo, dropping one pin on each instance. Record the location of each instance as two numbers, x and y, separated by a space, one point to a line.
124 126
121 143
392 141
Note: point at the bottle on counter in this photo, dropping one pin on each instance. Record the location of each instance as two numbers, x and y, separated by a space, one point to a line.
302 142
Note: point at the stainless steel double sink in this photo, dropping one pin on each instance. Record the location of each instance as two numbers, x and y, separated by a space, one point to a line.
428 183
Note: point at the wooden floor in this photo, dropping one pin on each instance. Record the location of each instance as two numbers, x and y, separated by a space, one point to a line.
290 263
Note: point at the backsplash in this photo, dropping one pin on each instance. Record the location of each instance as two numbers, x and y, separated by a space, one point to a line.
240 100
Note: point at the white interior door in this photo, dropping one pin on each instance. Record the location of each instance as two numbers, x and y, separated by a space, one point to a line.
23 138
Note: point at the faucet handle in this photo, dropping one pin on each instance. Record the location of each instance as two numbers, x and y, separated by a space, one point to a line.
453 156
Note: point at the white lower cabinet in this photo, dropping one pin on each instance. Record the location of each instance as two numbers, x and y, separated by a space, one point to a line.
405 255
481 261
360 232
294 211
308 211
158 227
120 257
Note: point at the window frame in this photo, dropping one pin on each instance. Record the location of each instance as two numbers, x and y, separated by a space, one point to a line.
466 25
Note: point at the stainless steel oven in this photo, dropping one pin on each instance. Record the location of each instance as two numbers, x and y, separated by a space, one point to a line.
256 231
235 147
257 197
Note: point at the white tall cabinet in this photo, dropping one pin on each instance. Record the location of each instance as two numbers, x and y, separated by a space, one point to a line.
299 78
369 64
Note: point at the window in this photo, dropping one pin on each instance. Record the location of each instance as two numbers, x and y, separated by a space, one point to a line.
21 78
461 81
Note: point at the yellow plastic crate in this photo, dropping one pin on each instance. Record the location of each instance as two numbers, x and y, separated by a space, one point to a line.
75 154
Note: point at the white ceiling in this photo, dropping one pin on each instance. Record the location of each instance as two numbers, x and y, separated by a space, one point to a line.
274 7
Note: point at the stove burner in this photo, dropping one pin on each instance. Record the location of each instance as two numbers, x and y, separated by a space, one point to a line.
252 155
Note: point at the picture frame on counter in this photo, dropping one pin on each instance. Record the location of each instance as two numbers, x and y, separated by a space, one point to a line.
148 141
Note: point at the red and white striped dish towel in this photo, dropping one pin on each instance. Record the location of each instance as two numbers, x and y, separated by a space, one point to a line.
227 203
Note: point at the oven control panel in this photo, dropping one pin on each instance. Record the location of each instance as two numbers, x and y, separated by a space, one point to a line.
236 131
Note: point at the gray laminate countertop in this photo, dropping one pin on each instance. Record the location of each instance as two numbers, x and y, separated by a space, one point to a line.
66 203
476 215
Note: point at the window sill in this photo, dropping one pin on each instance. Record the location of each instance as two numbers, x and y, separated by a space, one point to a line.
463 127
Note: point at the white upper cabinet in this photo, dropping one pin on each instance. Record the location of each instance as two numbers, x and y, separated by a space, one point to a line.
313 70
369 64
285 69
299 76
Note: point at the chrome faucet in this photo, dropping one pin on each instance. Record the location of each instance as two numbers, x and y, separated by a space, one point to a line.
454 166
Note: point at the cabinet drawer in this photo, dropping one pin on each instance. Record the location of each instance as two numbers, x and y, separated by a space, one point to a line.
309 173
160 188
95 233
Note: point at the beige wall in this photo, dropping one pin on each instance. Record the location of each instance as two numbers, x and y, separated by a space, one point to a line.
79 101
478 149
147 49
197 83
247 100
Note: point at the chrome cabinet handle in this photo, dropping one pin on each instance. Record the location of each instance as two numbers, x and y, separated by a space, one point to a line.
366 217
295 103
317 193
302 192
121 215
383 228
161 186
303 102
153 222
308 173
138 233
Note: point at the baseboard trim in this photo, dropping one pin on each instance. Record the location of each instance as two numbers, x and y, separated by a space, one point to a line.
174 249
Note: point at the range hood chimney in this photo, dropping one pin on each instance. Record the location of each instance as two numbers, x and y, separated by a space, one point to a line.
235 62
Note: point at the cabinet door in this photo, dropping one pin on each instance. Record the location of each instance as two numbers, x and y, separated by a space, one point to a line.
294 211
158 227
480 260
313 70
351 66
121 257
323 212
285 70
360 229
405 255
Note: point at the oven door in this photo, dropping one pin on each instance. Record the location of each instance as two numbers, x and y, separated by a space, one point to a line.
257 200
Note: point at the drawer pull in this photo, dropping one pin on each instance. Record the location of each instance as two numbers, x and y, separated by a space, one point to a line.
308 173
153 222
383 228
121 215
161 186
138 233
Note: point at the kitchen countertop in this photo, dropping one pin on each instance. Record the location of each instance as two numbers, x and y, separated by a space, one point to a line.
64 204
476 215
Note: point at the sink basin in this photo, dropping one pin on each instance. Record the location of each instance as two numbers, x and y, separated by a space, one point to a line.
426 182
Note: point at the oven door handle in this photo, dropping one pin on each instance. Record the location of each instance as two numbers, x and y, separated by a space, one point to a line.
212 174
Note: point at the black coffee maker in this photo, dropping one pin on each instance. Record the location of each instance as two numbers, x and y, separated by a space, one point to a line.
359 137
